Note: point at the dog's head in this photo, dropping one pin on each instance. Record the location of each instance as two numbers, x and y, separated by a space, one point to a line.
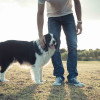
51 41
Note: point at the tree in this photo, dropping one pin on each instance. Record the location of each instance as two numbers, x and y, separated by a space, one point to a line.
62 50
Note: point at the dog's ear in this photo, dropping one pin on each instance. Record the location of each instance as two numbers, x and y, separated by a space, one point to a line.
47 38
46 48
46 43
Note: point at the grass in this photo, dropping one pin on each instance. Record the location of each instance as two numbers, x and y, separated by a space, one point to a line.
21 87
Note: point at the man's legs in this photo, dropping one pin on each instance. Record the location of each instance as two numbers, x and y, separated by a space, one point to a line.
54 27
71 38
69 28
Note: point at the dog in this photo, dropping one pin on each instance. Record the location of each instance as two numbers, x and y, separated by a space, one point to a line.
28 52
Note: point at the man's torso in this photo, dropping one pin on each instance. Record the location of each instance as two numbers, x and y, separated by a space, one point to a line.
57 8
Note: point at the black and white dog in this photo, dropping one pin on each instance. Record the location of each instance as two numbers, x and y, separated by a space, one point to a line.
30 52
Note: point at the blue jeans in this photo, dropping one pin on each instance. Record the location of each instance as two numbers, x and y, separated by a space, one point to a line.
68 24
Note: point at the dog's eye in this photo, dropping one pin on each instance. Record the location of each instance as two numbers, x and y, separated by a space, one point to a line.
48 38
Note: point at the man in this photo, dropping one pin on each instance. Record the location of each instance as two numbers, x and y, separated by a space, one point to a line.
60 14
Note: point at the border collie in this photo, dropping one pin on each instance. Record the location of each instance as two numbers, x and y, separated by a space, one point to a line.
30 52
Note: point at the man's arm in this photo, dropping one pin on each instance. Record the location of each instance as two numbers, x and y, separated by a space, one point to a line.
40 22
79 16
40 19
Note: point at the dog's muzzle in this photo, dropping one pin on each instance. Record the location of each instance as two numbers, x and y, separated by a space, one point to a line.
52 46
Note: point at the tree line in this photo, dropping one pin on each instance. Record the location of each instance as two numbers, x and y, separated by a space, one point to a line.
83 55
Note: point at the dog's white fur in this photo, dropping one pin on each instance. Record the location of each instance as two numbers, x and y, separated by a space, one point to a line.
38 66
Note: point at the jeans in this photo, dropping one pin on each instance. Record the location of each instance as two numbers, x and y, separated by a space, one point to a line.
68 24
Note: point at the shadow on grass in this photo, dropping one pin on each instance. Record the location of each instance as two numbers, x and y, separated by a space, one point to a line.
26 93
77 93
57 93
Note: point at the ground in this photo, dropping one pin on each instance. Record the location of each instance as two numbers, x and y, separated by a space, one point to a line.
21 87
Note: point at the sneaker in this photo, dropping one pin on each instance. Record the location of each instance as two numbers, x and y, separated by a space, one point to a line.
58 81
75 82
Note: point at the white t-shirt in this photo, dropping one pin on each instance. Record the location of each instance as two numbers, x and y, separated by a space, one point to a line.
56 8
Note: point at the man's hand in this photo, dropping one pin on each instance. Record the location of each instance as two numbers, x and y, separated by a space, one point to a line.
79 15
79 29
42 42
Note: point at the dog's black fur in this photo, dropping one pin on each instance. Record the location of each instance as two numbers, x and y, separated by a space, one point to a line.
22 51
16 50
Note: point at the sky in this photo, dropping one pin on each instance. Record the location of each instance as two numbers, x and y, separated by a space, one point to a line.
18 22
91 9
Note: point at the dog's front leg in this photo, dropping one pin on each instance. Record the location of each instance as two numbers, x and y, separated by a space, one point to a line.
41 75
37 75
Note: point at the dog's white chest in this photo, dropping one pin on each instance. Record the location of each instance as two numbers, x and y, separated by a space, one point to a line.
44 58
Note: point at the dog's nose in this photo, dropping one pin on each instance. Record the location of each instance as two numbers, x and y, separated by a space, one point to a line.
54 42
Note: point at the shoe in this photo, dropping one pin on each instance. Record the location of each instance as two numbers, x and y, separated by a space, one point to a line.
58 81
75 82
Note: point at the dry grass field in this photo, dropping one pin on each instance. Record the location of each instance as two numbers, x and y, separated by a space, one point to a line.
21 87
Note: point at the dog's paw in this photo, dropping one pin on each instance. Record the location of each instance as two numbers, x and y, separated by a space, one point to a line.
5 80
39 83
